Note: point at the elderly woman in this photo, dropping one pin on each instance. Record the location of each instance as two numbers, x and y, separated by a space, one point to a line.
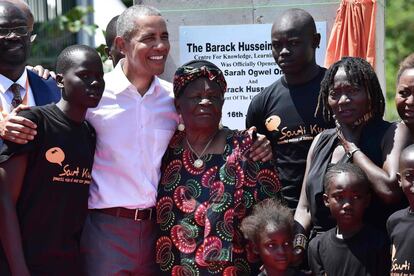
207 185
350 92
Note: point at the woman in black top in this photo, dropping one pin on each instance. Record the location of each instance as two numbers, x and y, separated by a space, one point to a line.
351 94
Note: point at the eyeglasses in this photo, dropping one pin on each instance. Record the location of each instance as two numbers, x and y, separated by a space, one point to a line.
17 31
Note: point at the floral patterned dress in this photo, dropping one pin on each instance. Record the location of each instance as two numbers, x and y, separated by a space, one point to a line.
199 210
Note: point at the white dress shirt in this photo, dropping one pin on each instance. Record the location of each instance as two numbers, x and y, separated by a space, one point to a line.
133 132
6 96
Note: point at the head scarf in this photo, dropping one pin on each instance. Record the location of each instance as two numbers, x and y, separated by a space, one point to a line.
195 69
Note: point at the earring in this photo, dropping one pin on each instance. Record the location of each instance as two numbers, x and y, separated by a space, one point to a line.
181 126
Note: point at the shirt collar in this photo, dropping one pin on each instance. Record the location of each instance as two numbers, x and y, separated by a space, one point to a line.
5 82
122 83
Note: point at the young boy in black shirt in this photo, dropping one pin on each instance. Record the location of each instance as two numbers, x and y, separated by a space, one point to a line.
400 224
44 184
352 247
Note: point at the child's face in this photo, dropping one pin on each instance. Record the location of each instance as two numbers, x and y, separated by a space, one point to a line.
404 97
275 249
84 82
406 176
347 199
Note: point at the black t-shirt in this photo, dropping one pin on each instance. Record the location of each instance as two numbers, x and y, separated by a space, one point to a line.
53 202
400 226
286 115
366 253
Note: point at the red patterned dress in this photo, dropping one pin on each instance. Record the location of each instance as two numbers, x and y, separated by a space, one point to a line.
199 210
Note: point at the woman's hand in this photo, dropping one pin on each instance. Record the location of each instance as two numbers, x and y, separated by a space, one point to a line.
348 136
261 148
16 128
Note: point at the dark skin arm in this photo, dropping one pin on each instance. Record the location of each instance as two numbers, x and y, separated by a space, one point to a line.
302 215
383 179
21 130
11 180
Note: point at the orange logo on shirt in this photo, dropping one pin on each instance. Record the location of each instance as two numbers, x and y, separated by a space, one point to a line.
272 123
55 155
69 173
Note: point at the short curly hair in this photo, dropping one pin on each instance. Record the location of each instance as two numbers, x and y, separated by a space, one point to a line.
66 60
269 212
348 168
407 63
125 26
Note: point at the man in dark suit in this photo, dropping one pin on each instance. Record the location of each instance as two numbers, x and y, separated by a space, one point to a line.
17 84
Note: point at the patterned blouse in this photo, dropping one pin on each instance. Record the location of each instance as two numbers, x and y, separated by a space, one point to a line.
199 210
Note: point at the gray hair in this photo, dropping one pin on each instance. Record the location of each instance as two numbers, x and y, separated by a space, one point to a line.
125 26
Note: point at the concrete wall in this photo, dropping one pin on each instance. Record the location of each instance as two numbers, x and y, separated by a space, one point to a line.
230 12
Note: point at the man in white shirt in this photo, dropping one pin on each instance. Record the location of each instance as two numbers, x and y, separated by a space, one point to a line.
134 122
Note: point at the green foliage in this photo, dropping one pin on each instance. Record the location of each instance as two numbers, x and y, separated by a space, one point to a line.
399 37
74 20
54 35
129 3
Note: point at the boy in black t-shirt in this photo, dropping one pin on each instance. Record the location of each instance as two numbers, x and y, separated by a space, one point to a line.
352 247
400 224
44 184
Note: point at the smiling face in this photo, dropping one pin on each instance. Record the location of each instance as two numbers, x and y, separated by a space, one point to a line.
14 49
200 104
275 249
404 98
293 45
348 101
406 175
147 50
83 81
347 198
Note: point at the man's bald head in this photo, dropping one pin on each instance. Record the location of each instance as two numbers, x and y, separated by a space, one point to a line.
298 18
294 43
25 8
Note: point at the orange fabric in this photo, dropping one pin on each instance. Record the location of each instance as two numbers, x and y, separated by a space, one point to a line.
353 33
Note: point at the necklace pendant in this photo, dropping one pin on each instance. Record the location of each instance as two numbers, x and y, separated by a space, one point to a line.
198 163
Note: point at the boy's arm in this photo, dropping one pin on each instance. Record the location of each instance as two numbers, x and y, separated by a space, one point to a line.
11 180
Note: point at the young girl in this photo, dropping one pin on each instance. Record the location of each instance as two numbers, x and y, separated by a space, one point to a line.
269 230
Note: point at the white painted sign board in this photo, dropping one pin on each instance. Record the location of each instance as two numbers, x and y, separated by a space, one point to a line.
244 54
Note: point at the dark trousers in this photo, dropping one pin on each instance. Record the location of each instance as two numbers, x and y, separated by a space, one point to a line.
118 246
